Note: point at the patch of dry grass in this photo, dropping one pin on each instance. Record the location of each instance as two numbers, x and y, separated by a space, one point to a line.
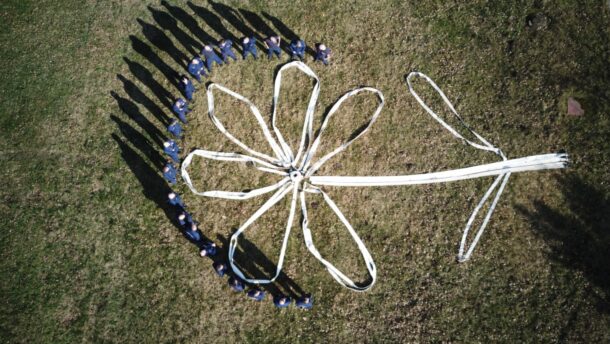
88 252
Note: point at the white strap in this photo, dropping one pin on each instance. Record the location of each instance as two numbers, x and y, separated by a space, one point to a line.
531 163
336 273
259 164
314 147
308 123
299 173
485 145
280 159
278 196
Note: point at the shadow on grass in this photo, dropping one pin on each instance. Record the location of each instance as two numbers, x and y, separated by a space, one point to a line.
160 40
579 238
141 145
153 185
215 23
141 98
232 16
169 23
146 77
288 34
255 264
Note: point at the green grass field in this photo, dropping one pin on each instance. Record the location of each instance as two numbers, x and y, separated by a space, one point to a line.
89 251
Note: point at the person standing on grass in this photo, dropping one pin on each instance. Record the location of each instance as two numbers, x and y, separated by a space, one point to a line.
305 302
181 109
196 69
169 173
226 51
281 301
322 54
236 284
171 148
175 200
297 49
256 294
210 57
220 268
187 87
208 249
249 47
193 234
175 129
185 219
273 46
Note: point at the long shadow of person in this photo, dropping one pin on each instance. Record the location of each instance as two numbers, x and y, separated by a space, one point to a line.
262 29
250 269
137 96
160 40
285 31
153 185
232 16
167 22
580 237
146 51
139 141
146 77
254 262
133 112
215 23
189 22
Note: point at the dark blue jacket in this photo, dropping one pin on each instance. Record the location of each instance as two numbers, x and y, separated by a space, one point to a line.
220 269
176 201
170 175
196 66
322 54
188 86
225 45
187 222
251 45
193 235
295 49
276 301
210 248
302 302
180 107
271 45
210 54
236 284
175 128
252 294
172 148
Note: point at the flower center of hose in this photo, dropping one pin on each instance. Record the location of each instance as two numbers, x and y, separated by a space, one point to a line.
296 176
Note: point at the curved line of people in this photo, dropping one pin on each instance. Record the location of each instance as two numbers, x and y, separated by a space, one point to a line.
205 61
190 227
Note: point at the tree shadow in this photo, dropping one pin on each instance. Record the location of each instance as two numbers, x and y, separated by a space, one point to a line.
256 264
167 22
579 238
